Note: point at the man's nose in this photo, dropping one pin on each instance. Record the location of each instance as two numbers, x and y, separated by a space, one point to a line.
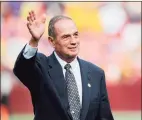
73 40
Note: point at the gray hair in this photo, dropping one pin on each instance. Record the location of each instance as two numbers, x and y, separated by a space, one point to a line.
51 30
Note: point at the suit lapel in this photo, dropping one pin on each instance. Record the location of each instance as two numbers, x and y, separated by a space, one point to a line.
56 74
57 77
86 86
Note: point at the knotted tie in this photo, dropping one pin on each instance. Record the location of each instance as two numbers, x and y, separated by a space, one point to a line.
73 95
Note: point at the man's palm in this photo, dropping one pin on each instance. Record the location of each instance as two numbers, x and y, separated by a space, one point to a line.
36 26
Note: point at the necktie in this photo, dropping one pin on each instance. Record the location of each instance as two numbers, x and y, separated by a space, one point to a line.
73 95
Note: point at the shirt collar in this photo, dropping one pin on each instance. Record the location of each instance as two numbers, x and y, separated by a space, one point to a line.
63 63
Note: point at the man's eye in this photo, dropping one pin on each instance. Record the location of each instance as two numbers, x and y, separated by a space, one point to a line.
66 36
76 34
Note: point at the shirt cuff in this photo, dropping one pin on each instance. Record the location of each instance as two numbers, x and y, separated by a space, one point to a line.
29 51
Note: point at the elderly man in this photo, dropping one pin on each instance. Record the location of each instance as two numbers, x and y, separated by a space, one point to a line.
62 86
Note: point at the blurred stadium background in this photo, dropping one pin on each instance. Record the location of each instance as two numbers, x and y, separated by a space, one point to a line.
110 37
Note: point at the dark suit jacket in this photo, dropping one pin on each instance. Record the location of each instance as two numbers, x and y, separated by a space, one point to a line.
44 78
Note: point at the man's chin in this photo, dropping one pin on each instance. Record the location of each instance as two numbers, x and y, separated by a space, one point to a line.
72 55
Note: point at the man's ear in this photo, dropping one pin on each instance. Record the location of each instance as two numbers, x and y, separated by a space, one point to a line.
51 41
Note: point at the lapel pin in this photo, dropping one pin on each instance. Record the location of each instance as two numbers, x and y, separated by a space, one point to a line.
89 85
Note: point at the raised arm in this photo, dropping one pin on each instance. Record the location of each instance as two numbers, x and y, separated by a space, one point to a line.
26 66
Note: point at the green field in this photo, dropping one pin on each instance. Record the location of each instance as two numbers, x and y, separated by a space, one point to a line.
117 116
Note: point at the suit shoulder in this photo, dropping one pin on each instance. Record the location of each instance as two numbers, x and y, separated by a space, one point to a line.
93 67
41 56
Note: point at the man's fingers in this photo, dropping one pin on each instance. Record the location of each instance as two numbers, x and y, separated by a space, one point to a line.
28 24
29 19
33 15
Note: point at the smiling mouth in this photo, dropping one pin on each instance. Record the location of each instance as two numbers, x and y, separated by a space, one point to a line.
72 47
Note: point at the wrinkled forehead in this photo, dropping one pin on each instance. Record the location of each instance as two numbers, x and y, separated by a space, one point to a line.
65 26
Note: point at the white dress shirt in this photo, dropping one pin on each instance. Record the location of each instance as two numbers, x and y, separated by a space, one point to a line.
30 51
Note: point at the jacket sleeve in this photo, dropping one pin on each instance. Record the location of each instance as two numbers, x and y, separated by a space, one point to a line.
28 71
104 110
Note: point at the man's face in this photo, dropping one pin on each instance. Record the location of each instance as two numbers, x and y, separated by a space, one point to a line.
67 38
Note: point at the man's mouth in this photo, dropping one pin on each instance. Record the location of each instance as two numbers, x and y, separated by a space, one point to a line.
72 47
